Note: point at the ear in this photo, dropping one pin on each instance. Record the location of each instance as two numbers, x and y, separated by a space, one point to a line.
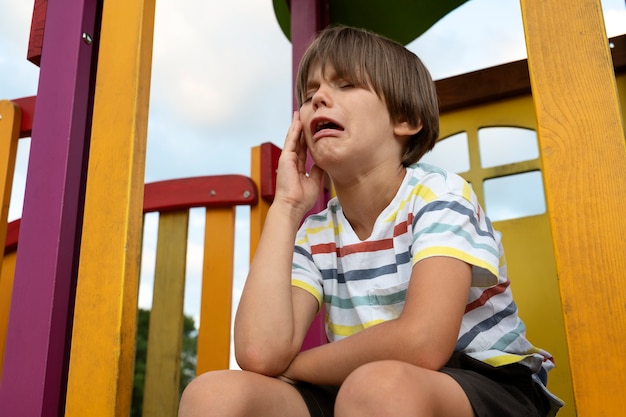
406 129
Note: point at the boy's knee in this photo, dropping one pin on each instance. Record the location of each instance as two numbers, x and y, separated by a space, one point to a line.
207 391
371 383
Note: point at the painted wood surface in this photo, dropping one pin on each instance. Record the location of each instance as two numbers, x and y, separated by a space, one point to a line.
103 339
217 289
10 122
35 365
165 335
38 24
584 160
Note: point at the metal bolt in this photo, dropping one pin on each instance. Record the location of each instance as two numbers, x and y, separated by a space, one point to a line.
246 194
212 193
87 38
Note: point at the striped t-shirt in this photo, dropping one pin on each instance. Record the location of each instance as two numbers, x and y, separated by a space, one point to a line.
362 283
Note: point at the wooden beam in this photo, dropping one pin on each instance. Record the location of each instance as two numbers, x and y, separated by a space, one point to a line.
103 338
35 361
208 191
165 335
584 163
502 81
217 290
37 27
10 121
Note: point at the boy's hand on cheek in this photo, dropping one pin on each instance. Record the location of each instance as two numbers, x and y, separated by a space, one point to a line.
294 186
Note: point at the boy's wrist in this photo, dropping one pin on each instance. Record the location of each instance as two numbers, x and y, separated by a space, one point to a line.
288 211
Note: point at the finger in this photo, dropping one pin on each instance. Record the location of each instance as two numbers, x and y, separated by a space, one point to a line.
302 154
293 134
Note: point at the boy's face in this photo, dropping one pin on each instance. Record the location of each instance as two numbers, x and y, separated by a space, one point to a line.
347 128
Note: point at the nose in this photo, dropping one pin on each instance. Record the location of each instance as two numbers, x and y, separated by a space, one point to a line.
321 97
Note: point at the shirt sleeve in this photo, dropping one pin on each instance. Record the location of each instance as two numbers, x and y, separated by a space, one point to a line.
453 225
304 273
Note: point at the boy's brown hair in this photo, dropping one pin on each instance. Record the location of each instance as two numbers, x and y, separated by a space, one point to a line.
393 72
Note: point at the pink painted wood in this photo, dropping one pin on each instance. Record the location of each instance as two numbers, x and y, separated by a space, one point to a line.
308 17
35 362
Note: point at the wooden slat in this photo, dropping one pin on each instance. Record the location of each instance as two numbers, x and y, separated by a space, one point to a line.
208 191
584 160
162 378
217 283
103 339
38 24
35 357
10 120
258 173
6 288
27 108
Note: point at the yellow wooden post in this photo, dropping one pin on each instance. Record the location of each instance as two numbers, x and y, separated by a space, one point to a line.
258 212
217 283
162 379
103 337
10 119
584 161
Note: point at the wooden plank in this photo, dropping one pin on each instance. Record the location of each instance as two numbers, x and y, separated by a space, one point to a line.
10 121
258 212
502 81
103 339
208 191
7 273
217 290
165 336
27 108
584 160
35 358
38 24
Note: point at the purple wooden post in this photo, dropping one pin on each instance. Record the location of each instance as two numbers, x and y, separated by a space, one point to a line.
308 17
35 361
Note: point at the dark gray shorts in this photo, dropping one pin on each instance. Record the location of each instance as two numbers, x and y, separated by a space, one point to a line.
506 391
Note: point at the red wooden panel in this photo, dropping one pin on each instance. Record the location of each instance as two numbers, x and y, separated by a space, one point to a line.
209 191
37 27
13 231
27 106
269 163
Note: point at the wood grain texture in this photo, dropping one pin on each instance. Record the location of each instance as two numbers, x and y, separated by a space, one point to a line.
165 335
10 121
217 290
103 339
584 160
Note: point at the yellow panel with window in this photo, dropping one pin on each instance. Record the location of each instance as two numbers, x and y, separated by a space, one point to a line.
494 147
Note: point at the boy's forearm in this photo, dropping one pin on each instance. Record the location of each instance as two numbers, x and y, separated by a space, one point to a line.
264 323
330 364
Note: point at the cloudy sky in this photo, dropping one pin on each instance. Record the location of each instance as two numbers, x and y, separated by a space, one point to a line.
221 84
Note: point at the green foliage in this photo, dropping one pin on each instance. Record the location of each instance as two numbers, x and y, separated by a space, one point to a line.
188 357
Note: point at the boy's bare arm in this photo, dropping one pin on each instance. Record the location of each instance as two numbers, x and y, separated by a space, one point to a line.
272 318
425 334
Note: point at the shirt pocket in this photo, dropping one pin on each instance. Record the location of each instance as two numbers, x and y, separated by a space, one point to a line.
387 303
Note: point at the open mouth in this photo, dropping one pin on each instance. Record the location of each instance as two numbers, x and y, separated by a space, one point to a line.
324 125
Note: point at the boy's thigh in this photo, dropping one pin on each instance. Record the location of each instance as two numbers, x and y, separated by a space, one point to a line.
240 393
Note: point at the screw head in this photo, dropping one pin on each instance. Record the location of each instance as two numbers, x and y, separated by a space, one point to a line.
87 38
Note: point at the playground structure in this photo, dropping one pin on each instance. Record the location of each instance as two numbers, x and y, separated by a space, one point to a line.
579 317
